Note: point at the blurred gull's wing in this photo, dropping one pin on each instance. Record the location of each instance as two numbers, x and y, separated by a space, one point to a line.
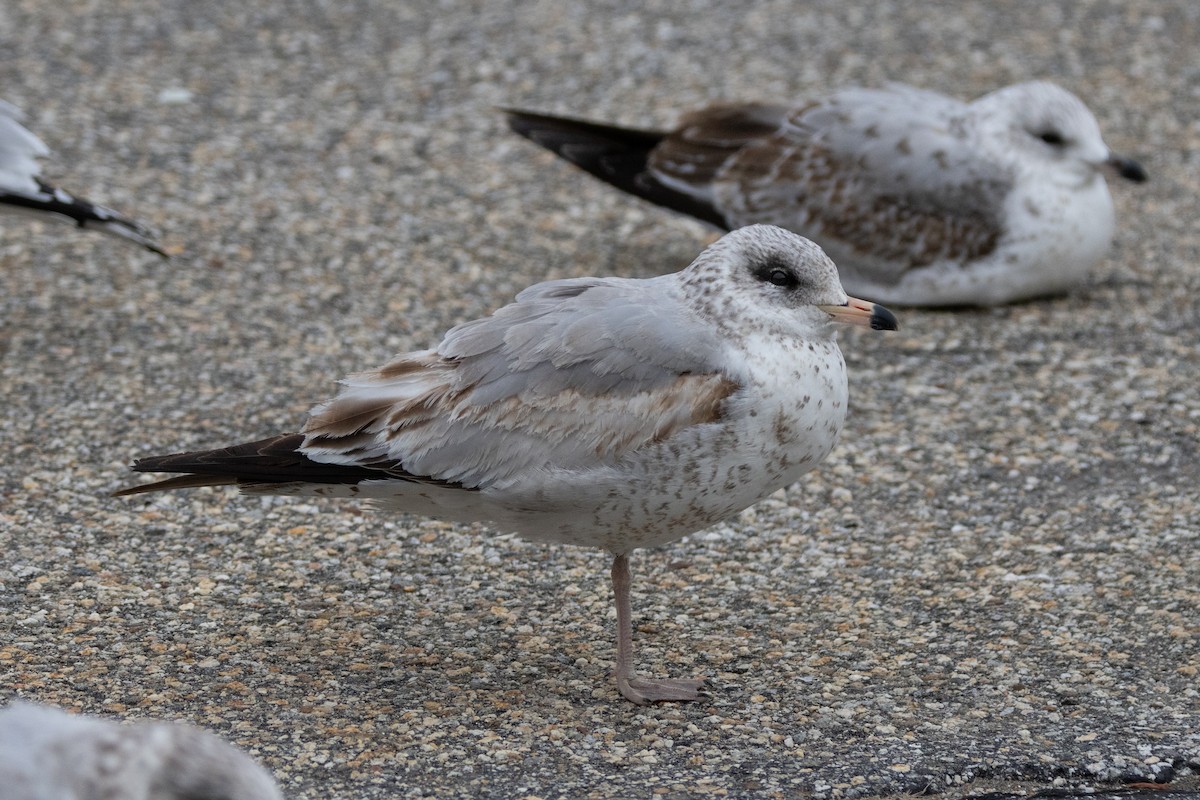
22 191
19 152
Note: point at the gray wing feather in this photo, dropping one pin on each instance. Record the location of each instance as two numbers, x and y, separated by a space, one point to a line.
576 333
573 374
905 141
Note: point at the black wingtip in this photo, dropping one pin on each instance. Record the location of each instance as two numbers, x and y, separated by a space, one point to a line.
176 482
158 251
553 132
616 155
60 204
274 460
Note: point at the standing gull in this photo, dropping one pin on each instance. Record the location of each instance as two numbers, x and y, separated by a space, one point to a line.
23 191
47 754
603 412
919 198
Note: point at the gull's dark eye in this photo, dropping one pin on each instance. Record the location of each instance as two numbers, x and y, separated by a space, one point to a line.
1052 138
777 273
782 277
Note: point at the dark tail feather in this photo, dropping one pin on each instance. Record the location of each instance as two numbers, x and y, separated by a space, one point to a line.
83 213
267 461
615 155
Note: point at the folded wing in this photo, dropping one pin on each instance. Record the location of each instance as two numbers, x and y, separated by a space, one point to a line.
502 396
886 176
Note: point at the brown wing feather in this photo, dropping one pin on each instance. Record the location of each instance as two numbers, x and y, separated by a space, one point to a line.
437 430
695 152
804 186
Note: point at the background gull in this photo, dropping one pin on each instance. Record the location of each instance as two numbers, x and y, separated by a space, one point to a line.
23 191
919 198
48 754
601 412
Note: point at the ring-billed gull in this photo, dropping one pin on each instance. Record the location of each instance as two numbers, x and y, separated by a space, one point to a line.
603 412
23 191
48 754
920 199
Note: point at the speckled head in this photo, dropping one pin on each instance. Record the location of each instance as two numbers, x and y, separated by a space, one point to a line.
764 277
1047 126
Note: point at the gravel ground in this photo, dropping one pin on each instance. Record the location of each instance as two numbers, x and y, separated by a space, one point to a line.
992 585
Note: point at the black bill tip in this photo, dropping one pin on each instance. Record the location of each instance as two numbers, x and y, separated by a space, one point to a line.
1128 169
883 320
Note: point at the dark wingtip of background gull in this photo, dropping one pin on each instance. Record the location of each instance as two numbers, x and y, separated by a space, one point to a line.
23 191
613 154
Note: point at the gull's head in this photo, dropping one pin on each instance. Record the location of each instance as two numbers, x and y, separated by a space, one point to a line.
776 281
1050 128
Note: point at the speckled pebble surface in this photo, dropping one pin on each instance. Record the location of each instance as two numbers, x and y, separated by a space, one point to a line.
992 585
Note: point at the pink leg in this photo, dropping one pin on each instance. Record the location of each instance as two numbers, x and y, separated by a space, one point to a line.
641 690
